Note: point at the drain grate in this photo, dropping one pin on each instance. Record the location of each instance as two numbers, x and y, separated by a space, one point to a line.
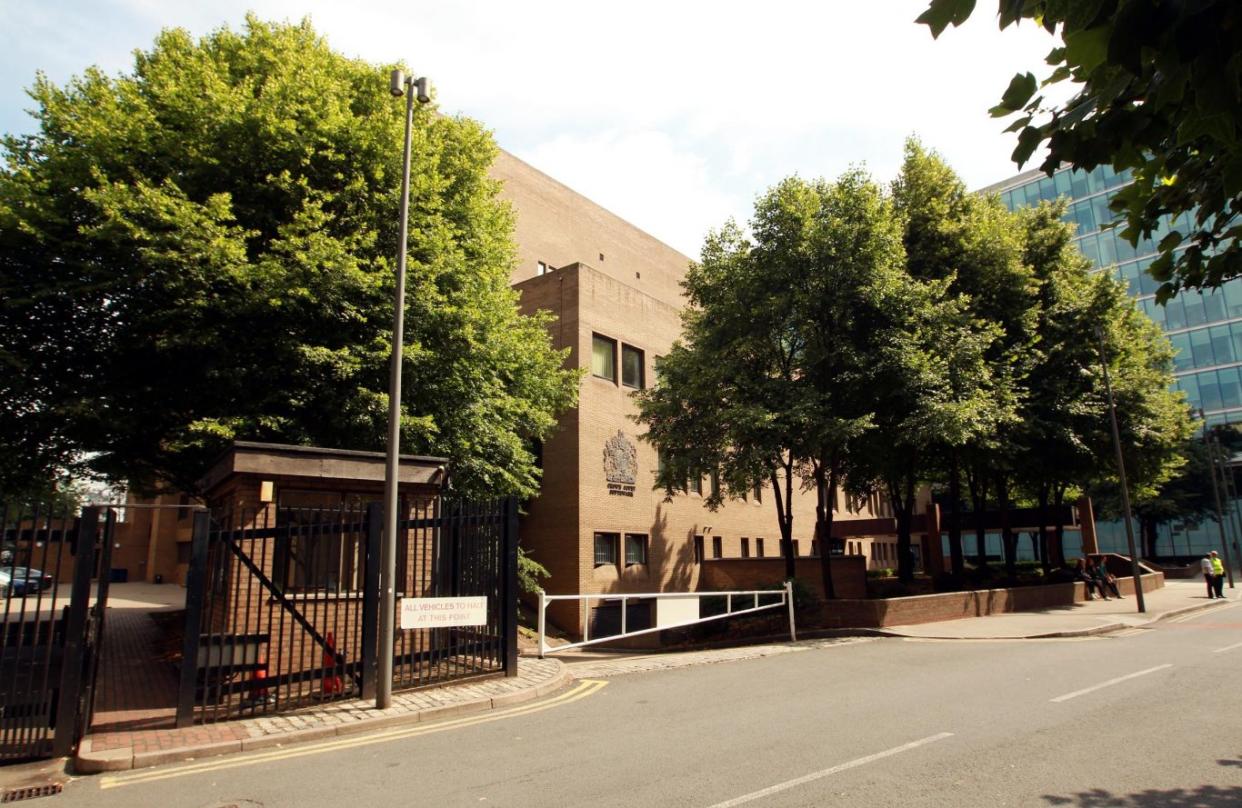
31 792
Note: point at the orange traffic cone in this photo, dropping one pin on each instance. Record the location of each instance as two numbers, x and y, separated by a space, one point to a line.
331 684
257 687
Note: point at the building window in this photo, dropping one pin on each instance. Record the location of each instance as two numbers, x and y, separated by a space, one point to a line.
796 552
717 547
698 549
635 549
604 358
605 549
759 548
631 367
716 484
696 483
758 493
745 547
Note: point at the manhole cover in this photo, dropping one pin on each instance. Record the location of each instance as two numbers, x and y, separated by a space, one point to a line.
31 792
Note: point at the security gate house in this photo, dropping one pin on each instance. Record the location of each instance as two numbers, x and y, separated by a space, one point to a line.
282 611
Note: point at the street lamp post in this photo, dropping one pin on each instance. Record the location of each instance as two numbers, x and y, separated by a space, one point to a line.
413 89
1121 476
1220 514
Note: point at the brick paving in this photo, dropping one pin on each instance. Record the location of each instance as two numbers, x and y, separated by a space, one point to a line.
135 688
133 748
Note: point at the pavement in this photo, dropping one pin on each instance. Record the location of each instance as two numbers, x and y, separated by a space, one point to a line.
1175 598
135 749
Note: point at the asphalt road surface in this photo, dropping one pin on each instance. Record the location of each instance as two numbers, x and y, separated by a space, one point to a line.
1150 717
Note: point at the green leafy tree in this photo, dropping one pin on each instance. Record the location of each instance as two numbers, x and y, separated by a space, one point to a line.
1186 497
1157 95
971 243
730 398
202 249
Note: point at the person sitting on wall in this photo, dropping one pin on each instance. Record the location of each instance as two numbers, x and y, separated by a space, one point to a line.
1081 574
1103 578
1205 564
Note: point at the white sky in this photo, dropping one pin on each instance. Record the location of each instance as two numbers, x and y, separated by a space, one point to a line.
674 115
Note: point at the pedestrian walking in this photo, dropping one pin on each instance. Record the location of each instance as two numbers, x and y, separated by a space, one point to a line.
1218 573
1205 564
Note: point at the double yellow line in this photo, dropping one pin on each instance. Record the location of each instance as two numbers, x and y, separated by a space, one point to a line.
580 691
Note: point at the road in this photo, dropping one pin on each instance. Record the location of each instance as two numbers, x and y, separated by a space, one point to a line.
1150 717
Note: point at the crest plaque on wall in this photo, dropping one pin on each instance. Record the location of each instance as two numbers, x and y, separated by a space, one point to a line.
620 465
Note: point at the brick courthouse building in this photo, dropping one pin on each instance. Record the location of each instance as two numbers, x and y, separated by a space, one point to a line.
598 525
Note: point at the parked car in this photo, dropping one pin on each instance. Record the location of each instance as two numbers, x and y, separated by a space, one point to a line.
23 581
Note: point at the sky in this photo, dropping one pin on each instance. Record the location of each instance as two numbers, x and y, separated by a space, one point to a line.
673 115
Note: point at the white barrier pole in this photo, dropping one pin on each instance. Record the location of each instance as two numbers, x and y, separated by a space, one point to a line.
793 632
543 607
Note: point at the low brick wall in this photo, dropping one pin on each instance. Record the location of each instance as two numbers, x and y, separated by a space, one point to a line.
849 574
882 612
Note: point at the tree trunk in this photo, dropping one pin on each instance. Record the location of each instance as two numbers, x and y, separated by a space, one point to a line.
956 554
978 483
1042 553
1007 540
1149 530
1058 532
825 495
903 502
784 515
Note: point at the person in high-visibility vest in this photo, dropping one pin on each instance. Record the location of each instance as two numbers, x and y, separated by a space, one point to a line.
1209 578
1218 574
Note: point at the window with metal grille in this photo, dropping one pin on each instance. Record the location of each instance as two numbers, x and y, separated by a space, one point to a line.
635 549
605 549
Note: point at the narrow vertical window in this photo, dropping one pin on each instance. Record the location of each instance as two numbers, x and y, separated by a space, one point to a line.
605 549
604 358
717 547
745 547
631 367
635 549
759 548
698 549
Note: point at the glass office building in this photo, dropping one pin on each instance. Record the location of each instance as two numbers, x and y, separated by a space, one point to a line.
1204 327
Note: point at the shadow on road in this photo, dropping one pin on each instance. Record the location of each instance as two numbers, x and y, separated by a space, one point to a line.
1201 797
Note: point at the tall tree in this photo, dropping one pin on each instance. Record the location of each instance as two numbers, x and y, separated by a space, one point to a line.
971 242
1157 94
201 250
783 343
731 399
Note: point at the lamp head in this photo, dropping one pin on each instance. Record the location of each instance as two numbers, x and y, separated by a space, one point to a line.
396 83
423 88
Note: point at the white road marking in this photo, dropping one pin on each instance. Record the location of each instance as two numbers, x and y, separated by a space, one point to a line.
1109 683
1228 648
862 761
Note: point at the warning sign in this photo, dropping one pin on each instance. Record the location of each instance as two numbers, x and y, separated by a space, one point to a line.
443 612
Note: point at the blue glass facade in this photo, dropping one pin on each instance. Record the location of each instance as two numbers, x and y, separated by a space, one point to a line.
1205 328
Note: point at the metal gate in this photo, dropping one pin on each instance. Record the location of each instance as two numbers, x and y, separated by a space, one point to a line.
49 647
282 605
